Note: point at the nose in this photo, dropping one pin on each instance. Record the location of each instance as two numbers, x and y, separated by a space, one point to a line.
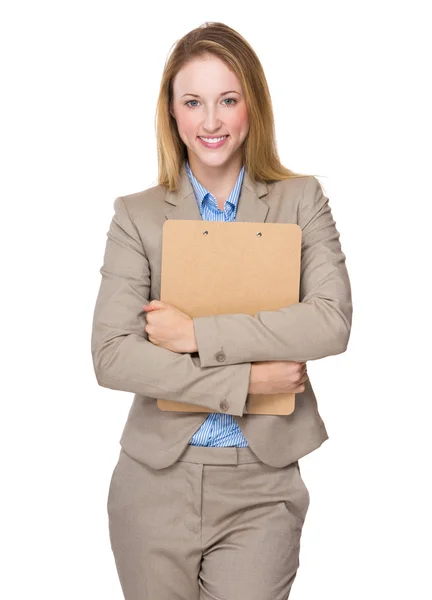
212 122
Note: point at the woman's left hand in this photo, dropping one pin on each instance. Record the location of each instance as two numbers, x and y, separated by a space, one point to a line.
169 328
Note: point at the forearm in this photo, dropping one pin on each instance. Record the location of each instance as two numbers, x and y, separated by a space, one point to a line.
287 334
133 364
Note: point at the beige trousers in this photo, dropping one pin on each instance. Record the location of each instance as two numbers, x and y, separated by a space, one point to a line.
217 525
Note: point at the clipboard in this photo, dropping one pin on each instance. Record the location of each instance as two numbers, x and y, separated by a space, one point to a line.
229 267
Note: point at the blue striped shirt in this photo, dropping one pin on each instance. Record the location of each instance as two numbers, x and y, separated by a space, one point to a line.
218 429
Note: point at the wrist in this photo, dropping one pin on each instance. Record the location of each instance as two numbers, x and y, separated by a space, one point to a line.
258 372
194 345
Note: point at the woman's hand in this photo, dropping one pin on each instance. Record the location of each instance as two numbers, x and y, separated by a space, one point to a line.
277 377
169 328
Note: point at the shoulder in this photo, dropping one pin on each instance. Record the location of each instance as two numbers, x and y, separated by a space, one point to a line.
300 192
304 186
141 203
298 198
312 202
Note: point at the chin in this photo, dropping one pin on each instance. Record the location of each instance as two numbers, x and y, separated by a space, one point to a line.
215 158
216 162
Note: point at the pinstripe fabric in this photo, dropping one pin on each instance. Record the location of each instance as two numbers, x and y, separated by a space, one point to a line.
218 429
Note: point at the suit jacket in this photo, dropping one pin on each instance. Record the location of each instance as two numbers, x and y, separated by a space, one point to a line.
217 376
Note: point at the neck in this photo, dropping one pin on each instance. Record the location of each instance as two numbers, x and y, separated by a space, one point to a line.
218 180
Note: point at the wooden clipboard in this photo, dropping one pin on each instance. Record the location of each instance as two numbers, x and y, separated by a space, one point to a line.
212 267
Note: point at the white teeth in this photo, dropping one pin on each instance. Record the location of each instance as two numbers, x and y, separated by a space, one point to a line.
214 140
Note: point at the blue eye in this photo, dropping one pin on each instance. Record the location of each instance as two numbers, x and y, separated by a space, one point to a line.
190 106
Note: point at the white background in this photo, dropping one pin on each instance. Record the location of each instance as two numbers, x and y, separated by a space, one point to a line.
350 87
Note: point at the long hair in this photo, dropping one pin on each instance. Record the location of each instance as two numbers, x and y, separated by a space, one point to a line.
260 155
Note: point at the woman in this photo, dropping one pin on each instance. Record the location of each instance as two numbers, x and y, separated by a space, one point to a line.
208 506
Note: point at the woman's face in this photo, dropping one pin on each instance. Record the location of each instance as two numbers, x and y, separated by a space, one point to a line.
201 108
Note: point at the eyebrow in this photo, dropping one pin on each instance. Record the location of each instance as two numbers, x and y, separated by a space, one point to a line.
223 93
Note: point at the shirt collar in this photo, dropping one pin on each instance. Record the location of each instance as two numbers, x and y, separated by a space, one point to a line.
201 193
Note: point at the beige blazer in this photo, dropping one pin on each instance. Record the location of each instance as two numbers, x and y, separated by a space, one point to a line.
217 376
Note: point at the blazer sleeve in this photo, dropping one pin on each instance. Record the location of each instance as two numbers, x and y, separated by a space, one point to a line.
124 358
317 326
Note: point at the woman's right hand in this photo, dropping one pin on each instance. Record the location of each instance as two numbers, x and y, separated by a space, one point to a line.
277 377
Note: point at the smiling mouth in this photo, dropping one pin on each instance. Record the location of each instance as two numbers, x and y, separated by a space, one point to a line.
212 140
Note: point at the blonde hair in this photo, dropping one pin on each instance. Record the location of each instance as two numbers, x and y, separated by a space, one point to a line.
260 155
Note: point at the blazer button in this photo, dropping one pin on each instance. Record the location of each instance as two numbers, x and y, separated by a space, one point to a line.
220 356
224 405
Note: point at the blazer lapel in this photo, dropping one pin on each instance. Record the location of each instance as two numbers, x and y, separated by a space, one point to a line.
182 204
